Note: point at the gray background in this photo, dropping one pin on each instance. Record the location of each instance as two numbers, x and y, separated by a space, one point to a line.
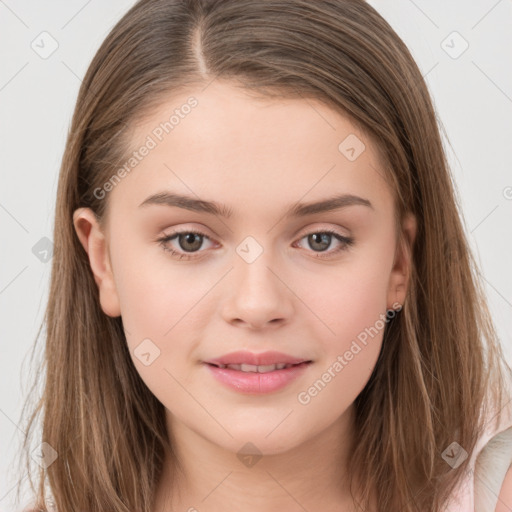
472 92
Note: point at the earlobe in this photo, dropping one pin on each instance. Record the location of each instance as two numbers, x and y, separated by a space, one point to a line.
95 244
400 273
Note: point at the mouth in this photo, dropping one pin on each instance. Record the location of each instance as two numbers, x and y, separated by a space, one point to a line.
257 379
250 368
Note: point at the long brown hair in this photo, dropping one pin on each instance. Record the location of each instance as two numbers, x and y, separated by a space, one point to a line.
441 369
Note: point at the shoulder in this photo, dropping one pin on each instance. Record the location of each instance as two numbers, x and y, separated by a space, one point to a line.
505 497
493 474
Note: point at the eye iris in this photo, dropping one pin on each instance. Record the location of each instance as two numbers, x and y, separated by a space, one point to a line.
325 243
190 238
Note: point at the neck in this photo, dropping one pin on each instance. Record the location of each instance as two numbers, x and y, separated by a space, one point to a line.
309 476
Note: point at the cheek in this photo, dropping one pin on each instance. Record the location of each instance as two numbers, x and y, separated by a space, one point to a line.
152 297
350 301
352 309
162 306
156 309
347 300
152 289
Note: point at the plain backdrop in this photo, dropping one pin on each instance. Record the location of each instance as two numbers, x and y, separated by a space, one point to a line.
464 50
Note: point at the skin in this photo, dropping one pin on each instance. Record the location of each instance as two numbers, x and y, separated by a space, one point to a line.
504 503
258 157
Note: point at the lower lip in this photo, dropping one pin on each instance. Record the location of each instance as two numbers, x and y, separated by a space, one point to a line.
257 383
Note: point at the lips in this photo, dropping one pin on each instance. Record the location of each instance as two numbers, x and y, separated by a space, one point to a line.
256 374
261 362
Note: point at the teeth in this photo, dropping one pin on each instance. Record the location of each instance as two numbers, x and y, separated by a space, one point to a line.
247 367
254 368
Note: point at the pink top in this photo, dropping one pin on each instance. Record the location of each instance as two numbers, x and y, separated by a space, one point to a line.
463 499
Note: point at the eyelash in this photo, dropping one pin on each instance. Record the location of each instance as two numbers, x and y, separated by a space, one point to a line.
345 241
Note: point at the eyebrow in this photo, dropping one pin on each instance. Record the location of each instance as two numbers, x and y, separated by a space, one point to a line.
295 210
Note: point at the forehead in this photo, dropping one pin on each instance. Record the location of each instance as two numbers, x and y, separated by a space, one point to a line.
220 110
224 144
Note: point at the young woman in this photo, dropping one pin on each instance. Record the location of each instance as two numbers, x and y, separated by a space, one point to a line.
262 297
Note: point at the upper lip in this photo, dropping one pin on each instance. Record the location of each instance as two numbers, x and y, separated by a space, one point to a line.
257 359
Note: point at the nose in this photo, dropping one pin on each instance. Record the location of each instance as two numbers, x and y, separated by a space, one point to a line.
259 294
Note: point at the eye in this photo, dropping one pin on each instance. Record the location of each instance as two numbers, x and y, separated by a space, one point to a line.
190 242
321 240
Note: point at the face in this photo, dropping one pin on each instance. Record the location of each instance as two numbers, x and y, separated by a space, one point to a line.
311 283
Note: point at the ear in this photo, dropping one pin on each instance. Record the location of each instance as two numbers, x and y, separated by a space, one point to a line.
400 273
95 244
